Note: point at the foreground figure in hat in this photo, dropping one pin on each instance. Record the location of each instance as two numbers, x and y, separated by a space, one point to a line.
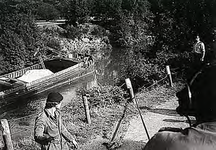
197 99
49 130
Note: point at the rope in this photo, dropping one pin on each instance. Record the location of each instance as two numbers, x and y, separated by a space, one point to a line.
157 82
122 85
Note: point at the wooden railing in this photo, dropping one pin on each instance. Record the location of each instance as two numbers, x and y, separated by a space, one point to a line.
82 68
21 72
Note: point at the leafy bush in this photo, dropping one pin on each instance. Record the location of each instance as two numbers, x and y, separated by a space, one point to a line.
85 30
47 11
77 11
73 32
104 96
18 40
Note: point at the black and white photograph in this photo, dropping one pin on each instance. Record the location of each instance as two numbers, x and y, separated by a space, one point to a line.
107 74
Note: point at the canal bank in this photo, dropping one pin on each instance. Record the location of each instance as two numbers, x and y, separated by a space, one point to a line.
21 118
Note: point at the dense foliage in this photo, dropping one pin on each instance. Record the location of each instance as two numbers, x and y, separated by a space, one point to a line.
18 38
175 25
152 33
47 11
104 96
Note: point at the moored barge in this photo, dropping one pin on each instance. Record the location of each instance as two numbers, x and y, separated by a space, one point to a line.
42 77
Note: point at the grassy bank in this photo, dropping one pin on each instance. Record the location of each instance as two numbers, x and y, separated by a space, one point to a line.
104 119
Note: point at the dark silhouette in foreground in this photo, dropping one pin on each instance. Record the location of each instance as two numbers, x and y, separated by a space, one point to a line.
197 99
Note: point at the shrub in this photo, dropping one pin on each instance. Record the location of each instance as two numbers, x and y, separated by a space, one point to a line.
47 11
73 32
18 40
104 96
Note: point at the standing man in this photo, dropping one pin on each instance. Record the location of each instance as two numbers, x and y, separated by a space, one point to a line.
49 130
199 49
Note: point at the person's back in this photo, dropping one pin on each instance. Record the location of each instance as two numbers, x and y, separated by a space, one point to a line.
196 99
192 138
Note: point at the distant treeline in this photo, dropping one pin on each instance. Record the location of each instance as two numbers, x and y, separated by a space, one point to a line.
173 24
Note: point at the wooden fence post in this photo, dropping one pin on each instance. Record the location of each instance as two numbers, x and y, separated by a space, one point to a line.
87 112
169 75
6 134
130 88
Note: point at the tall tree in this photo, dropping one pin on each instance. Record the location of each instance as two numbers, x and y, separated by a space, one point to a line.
177 22
76 10
18 39
47 11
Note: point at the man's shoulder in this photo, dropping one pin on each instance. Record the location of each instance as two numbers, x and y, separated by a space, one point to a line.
189 138
41 115
188 133
199 43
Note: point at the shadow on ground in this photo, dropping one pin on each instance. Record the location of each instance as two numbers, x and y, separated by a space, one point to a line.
168 112
126 145
193 121
162 111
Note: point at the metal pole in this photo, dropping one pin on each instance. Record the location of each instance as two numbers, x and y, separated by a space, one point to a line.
142 119
130 88
119 123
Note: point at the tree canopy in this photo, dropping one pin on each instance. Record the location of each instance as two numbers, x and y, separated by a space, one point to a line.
171 26
18 38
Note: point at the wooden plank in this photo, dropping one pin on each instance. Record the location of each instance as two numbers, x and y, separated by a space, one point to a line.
19 73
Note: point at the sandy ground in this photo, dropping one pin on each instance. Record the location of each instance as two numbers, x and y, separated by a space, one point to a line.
163 115
134 137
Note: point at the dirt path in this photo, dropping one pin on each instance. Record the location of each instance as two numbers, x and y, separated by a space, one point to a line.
163 115
155 116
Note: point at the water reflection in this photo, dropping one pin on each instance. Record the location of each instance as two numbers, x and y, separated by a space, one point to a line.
22 113
110 67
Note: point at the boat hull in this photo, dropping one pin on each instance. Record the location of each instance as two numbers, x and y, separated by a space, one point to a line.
70 75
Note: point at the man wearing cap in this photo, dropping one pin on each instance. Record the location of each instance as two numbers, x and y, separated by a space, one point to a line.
49 130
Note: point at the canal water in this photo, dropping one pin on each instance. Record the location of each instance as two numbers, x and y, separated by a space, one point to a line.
107 73
21 115
110 67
